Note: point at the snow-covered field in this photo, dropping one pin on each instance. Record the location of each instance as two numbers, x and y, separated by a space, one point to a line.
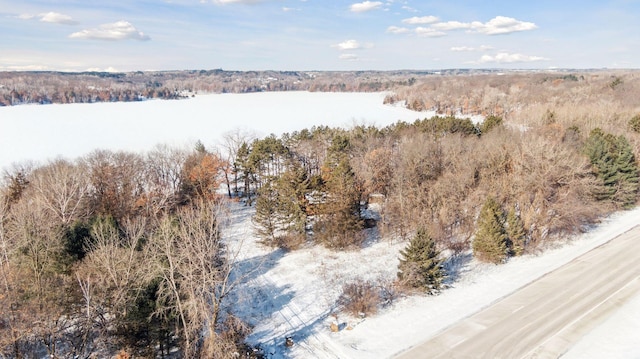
294 294
41 132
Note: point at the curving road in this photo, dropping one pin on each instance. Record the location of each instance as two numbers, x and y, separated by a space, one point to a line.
546 317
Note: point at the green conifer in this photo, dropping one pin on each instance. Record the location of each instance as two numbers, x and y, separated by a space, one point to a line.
420 265
626 177
266 216
490 243
292 188
515 233
615 165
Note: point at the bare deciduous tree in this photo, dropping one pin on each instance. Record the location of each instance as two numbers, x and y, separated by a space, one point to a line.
63 189
194 269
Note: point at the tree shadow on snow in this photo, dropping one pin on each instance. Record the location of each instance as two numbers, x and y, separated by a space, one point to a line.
277 347
250 269
255 297
371 236
455 267
267 307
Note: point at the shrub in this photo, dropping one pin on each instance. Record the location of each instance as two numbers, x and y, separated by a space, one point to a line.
290 241
360 297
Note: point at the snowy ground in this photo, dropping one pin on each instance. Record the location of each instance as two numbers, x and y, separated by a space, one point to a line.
294 294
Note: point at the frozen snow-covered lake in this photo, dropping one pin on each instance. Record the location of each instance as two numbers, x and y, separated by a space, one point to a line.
42 132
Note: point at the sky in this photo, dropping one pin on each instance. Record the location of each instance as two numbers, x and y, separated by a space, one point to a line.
304 35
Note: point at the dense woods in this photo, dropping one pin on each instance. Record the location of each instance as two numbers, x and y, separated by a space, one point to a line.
116 252
123 252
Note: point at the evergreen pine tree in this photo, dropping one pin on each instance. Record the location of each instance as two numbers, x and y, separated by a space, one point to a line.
340 224
634 123
490 243
490 123
266 217
615 165
281 208
626 177
245 170
598 149
292 188
420 265
515 233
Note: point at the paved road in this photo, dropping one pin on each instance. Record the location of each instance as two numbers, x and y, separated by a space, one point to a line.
545 318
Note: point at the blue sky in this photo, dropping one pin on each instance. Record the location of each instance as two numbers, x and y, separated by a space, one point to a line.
126 35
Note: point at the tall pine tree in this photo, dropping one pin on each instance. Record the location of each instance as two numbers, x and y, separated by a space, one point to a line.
339 224
490 243
265 219
292 188
627 173
420 264
281 215
515 233
615 165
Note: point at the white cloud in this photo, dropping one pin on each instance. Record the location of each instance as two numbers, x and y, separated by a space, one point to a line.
352 45
397 30
429 32
57 18
409 9
468 48
455 25
462 48
499 25
505 25
507 58
365 6
121 30
26 16
348 57
420 20
50 17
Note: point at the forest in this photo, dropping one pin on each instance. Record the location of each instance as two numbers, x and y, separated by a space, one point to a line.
18 88
119 253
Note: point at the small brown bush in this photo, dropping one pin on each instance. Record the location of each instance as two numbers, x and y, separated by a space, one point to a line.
390 291
360 297
290 242
229 343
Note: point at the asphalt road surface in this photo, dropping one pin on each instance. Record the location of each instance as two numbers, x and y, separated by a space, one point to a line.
546 317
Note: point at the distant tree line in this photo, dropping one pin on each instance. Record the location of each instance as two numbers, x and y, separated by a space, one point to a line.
18 88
